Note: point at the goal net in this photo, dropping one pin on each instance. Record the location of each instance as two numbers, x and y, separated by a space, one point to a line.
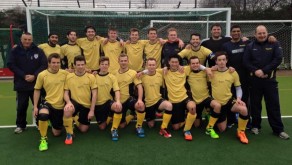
281 29
42 21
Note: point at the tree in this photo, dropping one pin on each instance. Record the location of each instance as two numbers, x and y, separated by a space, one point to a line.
15 16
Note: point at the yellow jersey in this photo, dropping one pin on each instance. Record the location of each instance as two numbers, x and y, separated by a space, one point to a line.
70 51
124 81
80 87
105 83
175 83
49 49
112 50
202 54
152 85
53 84
91 51
221 83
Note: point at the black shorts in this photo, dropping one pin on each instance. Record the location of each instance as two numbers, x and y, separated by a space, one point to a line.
179 111
224 109
128 105
101 112
55 115
150 111
204 104
83 113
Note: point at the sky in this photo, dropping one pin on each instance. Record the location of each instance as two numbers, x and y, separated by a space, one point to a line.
5 4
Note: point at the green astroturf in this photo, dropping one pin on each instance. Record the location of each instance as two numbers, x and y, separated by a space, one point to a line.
96 147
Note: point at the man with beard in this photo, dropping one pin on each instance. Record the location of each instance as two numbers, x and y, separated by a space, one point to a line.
52 46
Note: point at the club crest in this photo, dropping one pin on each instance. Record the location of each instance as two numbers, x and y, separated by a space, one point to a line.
36 56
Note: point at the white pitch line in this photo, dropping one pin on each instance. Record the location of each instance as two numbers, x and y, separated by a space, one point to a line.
94 122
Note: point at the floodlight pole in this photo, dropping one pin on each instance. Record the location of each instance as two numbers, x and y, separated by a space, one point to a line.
24 3
93 2
48 24
78 3
178 4
228 22
28 21
207 28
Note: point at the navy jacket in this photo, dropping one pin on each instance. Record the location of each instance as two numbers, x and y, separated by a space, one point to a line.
265 56
235 52
23 62
169 49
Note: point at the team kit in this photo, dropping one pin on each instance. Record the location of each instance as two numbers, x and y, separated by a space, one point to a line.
117 82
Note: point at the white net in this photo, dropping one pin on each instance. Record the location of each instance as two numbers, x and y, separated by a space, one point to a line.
41 21
282 30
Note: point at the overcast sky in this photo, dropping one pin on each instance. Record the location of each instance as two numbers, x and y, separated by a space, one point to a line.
4 4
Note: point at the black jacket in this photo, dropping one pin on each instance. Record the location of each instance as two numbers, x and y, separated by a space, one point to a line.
263 55
26 61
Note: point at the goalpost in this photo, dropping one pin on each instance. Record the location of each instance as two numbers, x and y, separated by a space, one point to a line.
41 21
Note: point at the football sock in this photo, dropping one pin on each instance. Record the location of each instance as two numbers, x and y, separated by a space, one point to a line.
108 120
165 120
116 121
75 119
242 122
189 121
129 118
43 127
213 119
140 118
67 122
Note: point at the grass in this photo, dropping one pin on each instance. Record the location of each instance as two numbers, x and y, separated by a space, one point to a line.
96 147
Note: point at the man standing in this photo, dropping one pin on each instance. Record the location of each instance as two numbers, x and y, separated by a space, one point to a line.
112 49
26 62
70 50
52 46
52 81
134 50
262 58
171 47
196 50
90 48
215 42
153 46
235 51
